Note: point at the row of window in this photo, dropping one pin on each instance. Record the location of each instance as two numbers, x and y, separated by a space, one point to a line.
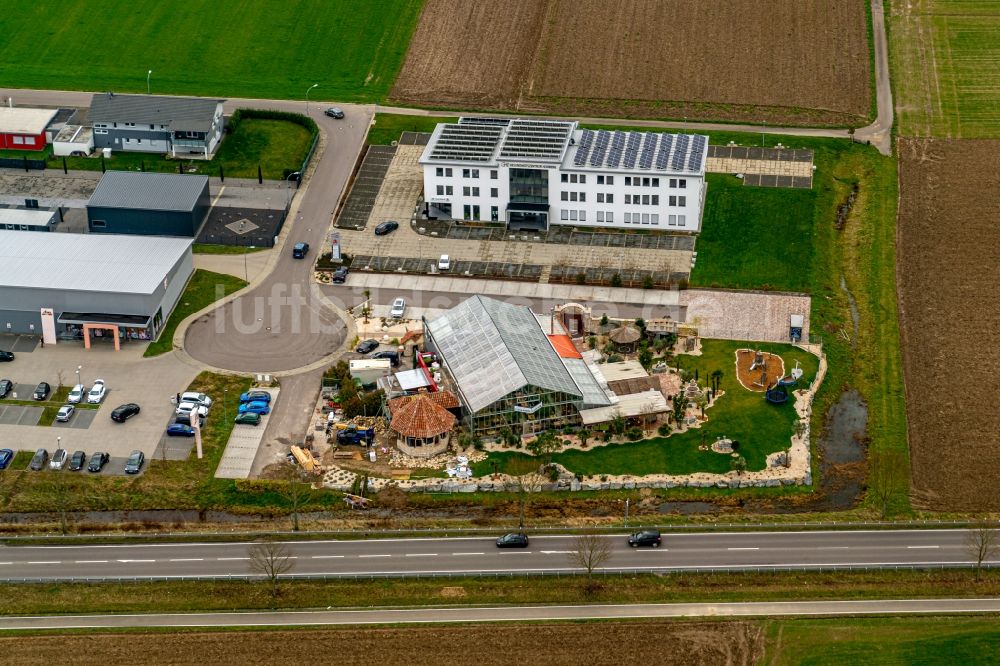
23 140
575 196
577 215
448 172
653 218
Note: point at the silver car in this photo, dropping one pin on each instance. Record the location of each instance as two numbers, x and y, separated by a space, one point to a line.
65 413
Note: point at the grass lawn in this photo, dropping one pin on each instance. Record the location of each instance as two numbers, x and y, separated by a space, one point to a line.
209 248
261 49
204 288
275 145
760 427
887 641
388 126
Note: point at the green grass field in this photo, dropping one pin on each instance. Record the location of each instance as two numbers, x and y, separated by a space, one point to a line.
388 126
204 288
259 48
945 60
743 415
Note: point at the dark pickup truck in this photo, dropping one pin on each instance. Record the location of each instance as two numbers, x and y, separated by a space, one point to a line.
354 435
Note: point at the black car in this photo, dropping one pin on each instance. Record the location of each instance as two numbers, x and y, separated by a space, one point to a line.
123 413
77 461
98 461
513 540
393 357
41 391
6 356
134 462
386 228
39 460
334 112
367 346
6 386
645 538
300 250
340 275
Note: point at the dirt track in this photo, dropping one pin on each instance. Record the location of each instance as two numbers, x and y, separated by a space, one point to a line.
483 645
759 60
948 257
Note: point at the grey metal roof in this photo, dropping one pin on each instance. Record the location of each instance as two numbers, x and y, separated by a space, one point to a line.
87 262
148 191
492 348
188 113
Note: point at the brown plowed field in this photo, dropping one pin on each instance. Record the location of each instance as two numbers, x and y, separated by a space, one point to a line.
948 266
779 61
730 643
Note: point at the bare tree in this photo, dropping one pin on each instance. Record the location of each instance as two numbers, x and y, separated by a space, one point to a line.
524 480
886 478
60 376
982 540
295 490
590 552
270 559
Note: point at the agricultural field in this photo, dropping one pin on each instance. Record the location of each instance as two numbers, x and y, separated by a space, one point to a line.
259 49
945 58
773 61
947 245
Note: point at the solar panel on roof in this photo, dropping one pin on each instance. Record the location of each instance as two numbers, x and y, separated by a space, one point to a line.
600 148
663 155
586 140
697 150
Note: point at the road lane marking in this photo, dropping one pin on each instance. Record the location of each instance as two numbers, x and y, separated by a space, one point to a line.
91 562
830 548
468 553
923 546
516 552
326 557
134 561
52 562
374 555
187 559
558 552
421 555
6 563
231 559
744 548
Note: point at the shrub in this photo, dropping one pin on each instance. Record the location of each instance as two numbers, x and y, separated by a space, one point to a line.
616 280
663 430
633 434
647 282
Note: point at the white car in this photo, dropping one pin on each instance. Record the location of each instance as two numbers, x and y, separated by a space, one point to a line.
97 392
188 407
444 263
76 394
398 308
200 398
65 413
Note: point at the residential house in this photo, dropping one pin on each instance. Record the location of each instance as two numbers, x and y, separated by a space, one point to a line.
188 127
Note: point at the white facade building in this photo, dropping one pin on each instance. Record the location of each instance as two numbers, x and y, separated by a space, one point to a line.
531 174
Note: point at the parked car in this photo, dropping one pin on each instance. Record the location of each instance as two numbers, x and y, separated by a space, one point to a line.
97 392
58 459
386 227
248 418
41 391
185 419
444 263
300 250
367 346
200 398
645 538
188 407
77 461
76 394
393 357
513 540
98 461
180 430
398 308
6 455
123 413
255 406
340 275
335 112
6 356
6 386
65 413
134 462
251 396
38 460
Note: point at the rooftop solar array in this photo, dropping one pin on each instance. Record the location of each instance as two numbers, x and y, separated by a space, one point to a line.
697 152
644 151
483 120
536 139
467 142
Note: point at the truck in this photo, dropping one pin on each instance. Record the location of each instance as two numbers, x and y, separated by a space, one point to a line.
796 323
355 435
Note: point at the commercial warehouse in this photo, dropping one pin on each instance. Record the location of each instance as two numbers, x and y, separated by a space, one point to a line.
156 204
535 173
78 286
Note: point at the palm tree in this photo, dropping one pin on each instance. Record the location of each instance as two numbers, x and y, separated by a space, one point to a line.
716 380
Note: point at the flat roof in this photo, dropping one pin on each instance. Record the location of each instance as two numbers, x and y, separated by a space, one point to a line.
139 190
22 120
87 262
635 404
27 216
614 372
479 140
631 152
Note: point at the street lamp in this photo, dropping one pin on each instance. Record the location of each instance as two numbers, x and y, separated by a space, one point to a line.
78 369
309 90
225 403
626 510
148 74
288 189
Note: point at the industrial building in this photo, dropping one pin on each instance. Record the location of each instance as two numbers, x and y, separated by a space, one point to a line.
27 219
155 204
534 173
80 286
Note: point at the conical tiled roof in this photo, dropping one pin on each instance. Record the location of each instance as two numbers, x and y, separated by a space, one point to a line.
421 415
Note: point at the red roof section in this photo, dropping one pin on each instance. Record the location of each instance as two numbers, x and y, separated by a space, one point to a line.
564 346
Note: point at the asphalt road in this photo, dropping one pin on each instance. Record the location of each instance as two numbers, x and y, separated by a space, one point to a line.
479 555
508 614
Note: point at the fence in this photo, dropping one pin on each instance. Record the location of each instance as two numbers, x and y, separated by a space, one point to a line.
22 163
